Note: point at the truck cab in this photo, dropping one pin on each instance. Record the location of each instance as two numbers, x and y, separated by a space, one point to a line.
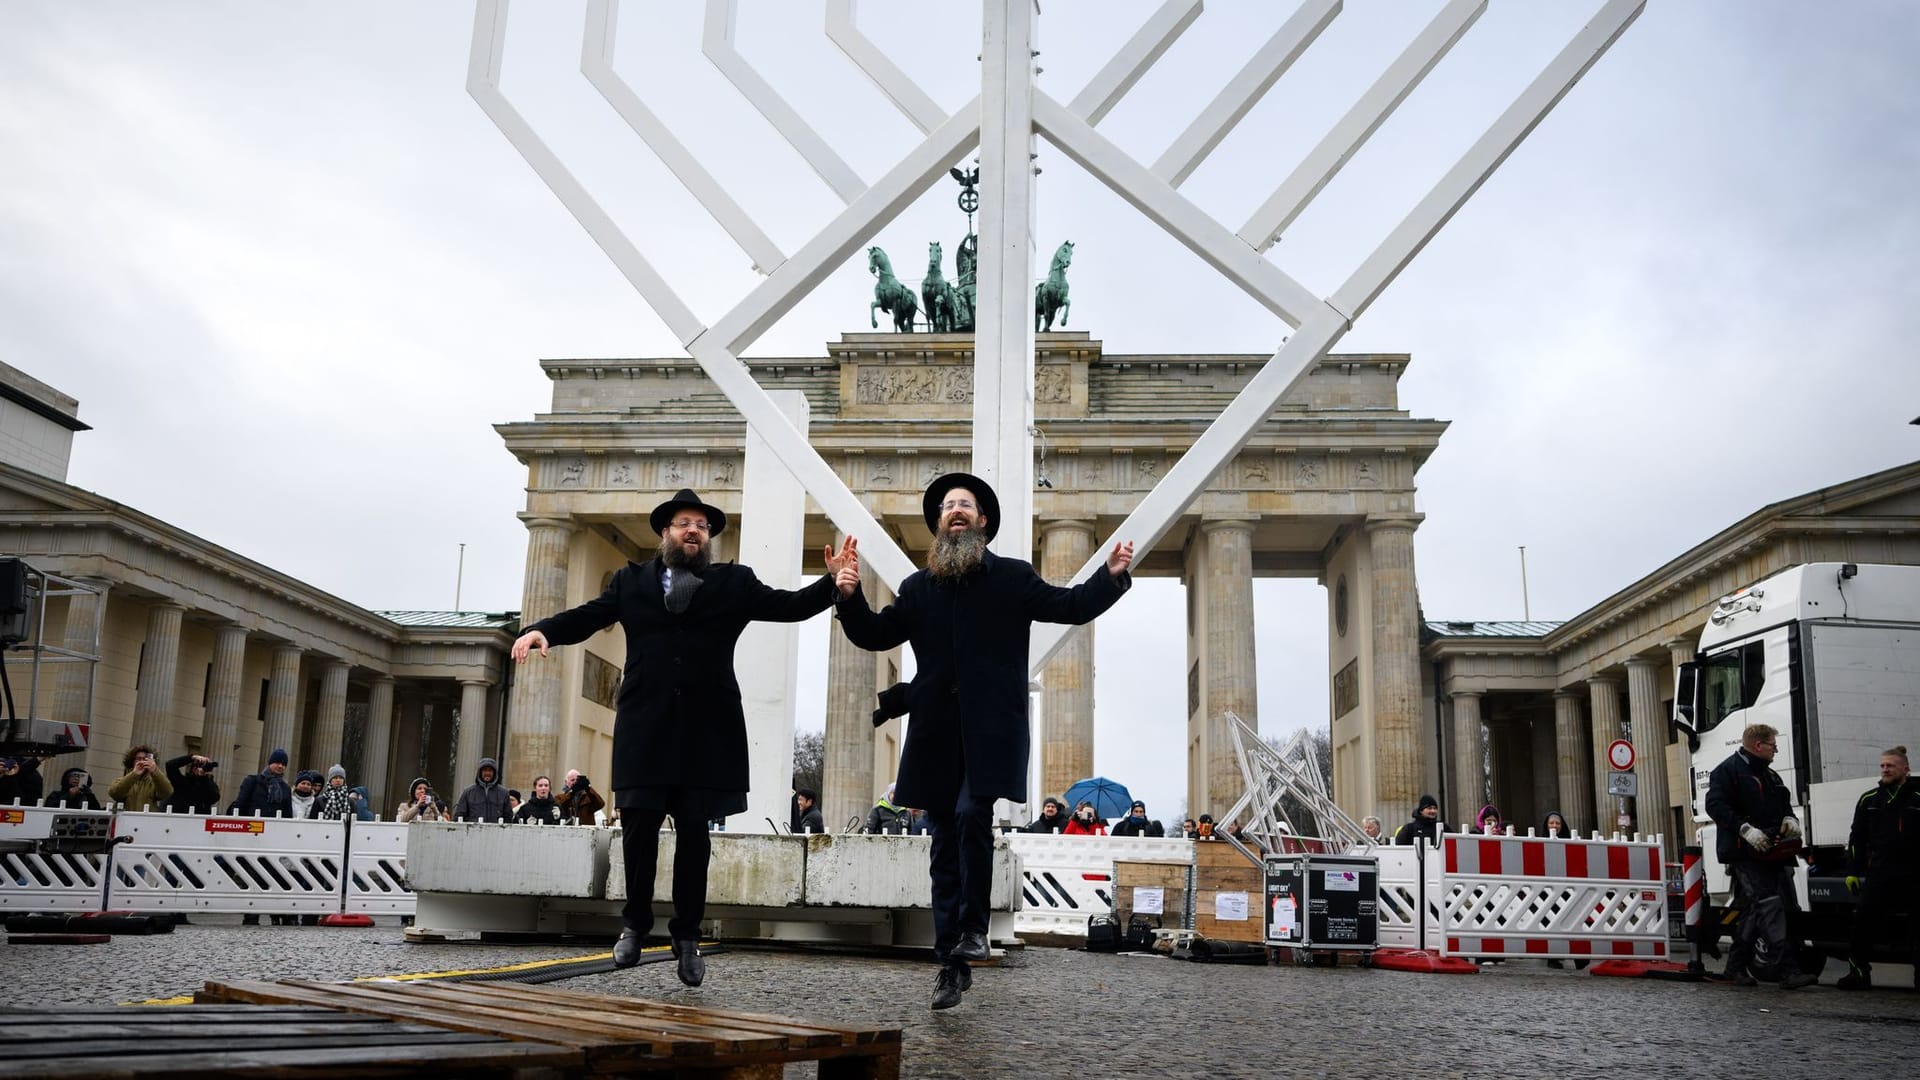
1828 654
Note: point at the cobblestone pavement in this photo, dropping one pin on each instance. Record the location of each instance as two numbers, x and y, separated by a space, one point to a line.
1056 1012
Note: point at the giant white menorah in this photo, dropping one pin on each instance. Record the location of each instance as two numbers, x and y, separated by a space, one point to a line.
1002 122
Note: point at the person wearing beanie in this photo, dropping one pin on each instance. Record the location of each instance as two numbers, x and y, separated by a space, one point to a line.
306 791
265 793
335 801
1425 827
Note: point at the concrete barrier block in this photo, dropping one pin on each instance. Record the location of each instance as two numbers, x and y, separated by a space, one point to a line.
854 870
512 860
745 870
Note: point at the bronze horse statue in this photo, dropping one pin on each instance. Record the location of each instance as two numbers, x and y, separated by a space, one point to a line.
1051 295
942 303
889 295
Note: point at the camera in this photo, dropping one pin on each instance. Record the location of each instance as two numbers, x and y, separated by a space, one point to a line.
207 765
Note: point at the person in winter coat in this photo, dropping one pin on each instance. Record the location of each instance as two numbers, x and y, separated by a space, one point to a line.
1052 819
75 793
421 804
144 787
888 817
266 792
679 730
579 803
806 812
1752 812
1084 822
362 803
1555 825
1487 822
335 802
20 781
1883 867
541 809
1136 823
1425 826
486 798
969 616
306 793
194 789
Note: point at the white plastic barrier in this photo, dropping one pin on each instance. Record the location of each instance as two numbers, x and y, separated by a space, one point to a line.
1400 893
1064 879
187 862
377 869
1523 896
37 881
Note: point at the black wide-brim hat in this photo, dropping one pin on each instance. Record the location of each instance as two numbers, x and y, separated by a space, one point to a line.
687 500
982 494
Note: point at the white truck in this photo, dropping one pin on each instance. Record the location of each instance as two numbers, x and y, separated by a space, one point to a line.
1829 655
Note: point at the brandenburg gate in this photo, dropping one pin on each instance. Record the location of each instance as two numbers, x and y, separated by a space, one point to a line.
1324 489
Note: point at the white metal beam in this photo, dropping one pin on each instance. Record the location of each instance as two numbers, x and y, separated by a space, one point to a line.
717 43
1141 52
1244 90
596 63
1361 121
843 29
483 84
1171 210
1484 156
852 227
1003 328
1216 446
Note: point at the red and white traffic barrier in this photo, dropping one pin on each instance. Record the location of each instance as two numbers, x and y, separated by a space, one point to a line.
1526 896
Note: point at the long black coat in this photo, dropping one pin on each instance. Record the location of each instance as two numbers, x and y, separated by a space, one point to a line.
678 719
969 694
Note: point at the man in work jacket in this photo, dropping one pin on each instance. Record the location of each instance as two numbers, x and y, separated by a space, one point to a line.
679 733
1749 803
1883 867
969 615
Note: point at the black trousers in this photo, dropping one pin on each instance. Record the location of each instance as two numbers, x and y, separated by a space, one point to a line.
1764 893
961 869
1873 920
640 842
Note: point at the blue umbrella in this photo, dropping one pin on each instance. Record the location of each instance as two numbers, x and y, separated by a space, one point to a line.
1110 800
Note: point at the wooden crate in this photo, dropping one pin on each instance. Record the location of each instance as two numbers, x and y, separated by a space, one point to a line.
1170 877
1219 867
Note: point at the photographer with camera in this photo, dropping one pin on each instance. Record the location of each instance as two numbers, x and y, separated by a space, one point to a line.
143 787
579 803
422 804
76 792
194 789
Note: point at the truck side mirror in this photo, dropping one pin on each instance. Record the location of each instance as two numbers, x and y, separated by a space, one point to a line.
1685 699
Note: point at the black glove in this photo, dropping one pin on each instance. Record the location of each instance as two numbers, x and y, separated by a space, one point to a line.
582 784
893 702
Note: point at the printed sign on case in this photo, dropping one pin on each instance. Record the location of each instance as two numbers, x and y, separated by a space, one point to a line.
1230 906
1343 881
1286 912
1149 900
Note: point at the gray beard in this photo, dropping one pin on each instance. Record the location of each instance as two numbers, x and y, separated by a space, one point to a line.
955 556
674 557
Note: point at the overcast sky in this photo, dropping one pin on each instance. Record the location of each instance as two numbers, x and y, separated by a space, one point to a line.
294 274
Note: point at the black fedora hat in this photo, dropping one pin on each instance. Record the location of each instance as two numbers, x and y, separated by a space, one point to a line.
982 494
687 500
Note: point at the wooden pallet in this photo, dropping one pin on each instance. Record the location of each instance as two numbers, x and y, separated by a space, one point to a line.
272 1041
608 1035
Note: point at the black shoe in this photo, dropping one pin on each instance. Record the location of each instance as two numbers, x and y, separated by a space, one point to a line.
1741 978
249 920
1797 980
1855 979
972 947
692 967
951 983
1556 963
626 951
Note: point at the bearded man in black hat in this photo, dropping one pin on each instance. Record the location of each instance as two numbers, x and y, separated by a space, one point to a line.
969 615
679 734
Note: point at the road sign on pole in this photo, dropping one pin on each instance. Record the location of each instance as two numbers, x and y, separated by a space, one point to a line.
1620 755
